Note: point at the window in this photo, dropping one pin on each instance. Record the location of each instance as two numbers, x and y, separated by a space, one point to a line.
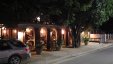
4 45
17 44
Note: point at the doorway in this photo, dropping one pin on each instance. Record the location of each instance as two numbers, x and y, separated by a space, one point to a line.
53 39
30 38
43 36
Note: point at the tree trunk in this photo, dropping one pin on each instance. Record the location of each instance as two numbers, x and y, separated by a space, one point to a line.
76 36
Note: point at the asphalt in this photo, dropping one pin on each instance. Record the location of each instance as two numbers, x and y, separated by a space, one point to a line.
55 57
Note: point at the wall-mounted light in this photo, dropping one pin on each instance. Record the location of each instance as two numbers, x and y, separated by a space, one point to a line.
3 28
62 31
83 33
28 29
15 31
42 31
51 33
4 31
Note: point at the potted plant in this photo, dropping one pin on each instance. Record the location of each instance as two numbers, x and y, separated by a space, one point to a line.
39 47
86 40
59 45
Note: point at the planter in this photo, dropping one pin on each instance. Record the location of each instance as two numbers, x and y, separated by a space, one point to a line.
39 50
58 48
86 40
39 47
86 43
59 45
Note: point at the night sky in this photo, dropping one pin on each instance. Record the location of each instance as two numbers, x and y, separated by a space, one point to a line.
15 11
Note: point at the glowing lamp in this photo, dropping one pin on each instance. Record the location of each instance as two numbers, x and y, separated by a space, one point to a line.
28 30
38 18
15 31
62 31
4 31
42 31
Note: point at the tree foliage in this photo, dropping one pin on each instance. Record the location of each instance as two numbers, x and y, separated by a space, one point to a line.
80 13
98 10
103 10
94 12
77 14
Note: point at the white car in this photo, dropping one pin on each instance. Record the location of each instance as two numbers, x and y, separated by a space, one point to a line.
13 52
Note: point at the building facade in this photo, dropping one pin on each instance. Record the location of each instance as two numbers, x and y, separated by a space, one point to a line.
31 33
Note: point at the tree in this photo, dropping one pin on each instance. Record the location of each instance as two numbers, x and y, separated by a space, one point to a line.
80 18
73 13
102 10
79 14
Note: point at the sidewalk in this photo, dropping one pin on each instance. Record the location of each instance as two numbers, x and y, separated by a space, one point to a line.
51 57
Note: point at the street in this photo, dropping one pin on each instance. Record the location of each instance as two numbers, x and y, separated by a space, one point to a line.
104 56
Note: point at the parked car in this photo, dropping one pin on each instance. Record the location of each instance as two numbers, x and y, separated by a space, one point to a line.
13 52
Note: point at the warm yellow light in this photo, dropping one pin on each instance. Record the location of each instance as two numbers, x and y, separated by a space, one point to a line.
28 29
62 31
50 33
15 31
4 31
38 18
82 33
42 31
3 27
88 33
0 32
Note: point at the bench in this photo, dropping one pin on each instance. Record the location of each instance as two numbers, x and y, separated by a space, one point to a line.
95 39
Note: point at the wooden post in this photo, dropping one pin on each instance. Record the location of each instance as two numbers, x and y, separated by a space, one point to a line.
67 39
37 35
48 39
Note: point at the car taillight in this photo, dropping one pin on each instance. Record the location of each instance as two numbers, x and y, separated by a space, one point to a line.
27 49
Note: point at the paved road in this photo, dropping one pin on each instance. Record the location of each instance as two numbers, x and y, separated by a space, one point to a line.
104 56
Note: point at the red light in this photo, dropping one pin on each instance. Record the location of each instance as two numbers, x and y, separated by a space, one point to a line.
27 49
